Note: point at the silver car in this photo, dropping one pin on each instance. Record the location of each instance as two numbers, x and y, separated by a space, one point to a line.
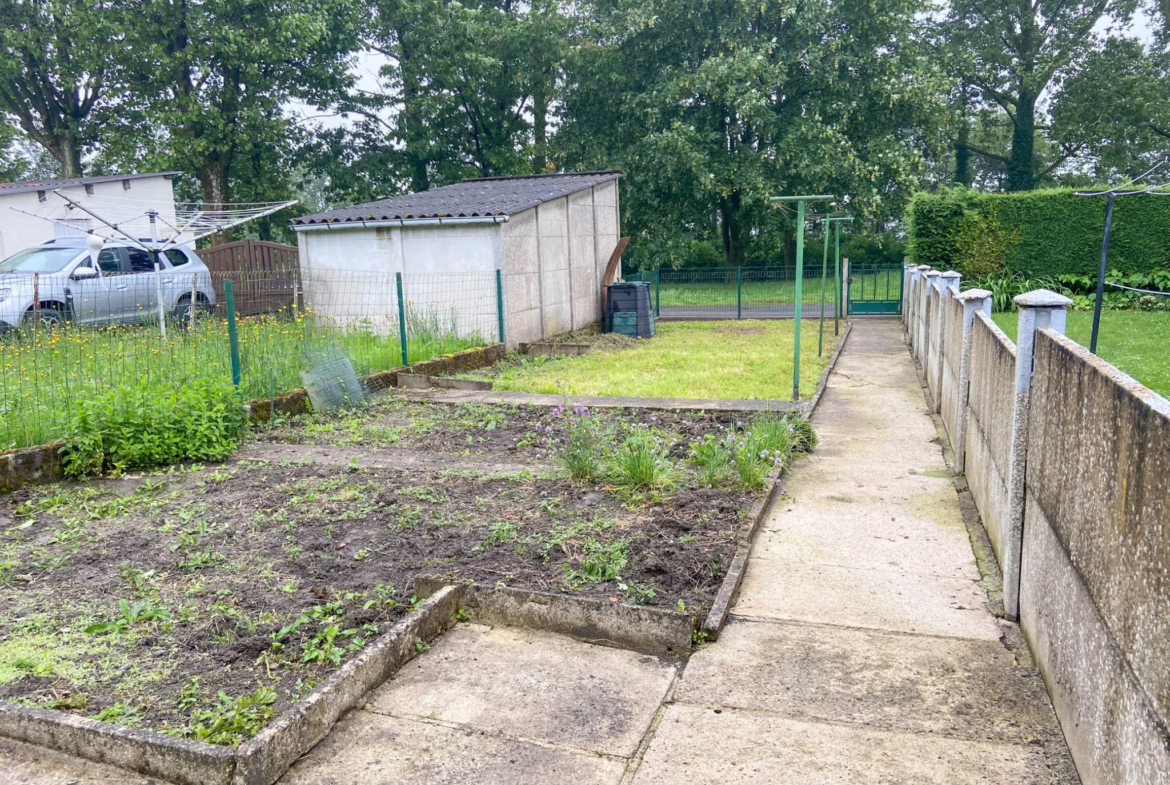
122 288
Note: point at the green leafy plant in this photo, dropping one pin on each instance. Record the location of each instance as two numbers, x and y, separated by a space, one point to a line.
599 562
579 444
232 720
150 424
129 615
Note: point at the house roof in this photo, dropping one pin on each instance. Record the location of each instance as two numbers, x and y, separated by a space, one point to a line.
49 185
484 197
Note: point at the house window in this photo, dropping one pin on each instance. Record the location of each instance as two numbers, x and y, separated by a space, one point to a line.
89 189
125 185
41 196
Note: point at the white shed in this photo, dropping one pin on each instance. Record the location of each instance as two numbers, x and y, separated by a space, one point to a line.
113 197
549 235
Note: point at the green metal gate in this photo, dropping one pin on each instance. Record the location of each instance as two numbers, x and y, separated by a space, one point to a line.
875 289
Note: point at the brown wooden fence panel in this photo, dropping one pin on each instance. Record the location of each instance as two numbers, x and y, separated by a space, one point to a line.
264 275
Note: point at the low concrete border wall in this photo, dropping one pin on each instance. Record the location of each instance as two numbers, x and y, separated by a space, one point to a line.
259 761
745 538
552 349
649 630
419 381
263 759
30 466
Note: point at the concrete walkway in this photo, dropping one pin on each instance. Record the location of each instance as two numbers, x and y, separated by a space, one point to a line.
860 651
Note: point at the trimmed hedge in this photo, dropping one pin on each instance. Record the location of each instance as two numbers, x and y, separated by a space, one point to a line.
1036 233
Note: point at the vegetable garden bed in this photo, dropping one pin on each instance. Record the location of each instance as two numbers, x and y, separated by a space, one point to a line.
204 600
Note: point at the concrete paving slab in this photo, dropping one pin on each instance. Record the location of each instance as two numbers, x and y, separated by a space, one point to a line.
868 599
954 687
373 749
26 764
696 745
532 685
925 534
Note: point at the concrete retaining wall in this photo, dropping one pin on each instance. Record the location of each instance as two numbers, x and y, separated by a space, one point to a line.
991 396
952 351
1095 573
1068 461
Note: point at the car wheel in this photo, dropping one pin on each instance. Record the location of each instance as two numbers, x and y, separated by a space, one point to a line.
184 308
50 318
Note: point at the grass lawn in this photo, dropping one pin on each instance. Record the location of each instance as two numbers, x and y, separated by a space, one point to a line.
719 359
1137 342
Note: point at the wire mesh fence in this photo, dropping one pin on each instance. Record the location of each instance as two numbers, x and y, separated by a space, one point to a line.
740 292
131 336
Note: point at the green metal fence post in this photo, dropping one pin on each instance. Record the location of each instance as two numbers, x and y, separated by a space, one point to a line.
799 300
824 275
657 292
233 338
401 319
738 292
837 282
500 301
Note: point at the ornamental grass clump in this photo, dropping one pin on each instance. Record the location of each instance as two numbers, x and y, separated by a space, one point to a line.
579 446
642 463
748 452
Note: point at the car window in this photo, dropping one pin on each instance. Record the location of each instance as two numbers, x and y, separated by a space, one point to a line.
39 260
141 261
109 261
177 257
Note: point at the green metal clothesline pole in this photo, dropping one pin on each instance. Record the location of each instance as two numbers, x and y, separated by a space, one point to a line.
800 200
824 275
837 282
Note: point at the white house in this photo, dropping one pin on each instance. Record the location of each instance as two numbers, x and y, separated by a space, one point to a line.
117 197
550 237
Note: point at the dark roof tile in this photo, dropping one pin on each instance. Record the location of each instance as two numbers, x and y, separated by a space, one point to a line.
482 197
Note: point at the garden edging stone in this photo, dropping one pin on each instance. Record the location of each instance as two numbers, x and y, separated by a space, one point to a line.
261 760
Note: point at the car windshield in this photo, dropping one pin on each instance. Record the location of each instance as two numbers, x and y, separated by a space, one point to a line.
38 260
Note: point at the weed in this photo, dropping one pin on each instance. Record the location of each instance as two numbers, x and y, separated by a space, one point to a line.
422 493
232 720
120 714
421 646
598 563
580 448
500 531
638 592
129 615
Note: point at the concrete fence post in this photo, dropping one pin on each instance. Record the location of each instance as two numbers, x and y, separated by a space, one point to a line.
919 311
916 281
911 288
1037 309
945 282
924 321
907 273
973 300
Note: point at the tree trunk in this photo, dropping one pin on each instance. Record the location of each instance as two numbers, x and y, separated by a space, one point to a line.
414 136
540 130
962 152
68 154
1020 171
729 222
213 177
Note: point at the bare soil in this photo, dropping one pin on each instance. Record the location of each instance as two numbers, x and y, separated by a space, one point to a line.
161 599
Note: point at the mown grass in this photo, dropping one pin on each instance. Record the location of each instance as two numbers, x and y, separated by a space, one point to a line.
44 373
718 359
719 288
1137 342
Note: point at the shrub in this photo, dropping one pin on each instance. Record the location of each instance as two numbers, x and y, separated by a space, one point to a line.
1035 233
132 426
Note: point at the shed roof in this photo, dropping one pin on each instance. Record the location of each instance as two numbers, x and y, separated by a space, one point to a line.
24 186
482 197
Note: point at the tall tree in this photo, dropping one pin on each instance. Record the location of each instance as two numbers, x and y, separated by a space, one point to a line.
213 80
1012 52
56 60
468 89
1117 106
712 105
